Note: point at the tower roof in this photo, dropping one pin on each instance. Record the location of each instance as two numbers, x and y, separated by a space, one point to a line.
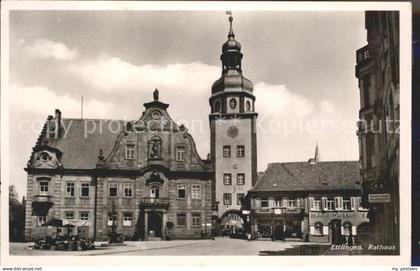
231 43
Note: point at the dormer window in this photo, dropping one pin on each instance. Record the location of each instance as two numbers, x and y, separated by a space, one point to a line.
129 152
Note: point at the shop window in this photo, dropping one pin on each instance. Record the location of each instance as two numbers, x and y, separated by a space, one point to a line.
226 151
196 191
346 229
318 229
113 189
127 219
196 220
181 192
70 190
181 220
227 179
180 154
84 191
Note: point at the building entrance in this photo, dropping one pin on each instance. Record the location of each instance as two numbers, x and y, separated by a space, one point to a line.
336 231
154 224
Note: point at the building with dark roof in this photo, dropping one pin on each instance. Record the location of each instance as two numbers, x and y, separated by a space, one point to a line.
314 201
144 177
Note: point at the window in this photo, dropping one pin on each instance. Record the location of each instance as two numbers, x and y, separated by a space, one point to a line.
240 151
69 215
264 203
181 192
84 190
240 179
338 203
248 106
70 190
317 229
196 191
226 151
278 203
346 204
129 152
346 229
217 106
127 219
113 189
196 220
180 154
329 206
84 216
240 198
227 179
227 198
111 219
154 191
291 203
370 151
317 204
181 220
43 188
128 190
42 220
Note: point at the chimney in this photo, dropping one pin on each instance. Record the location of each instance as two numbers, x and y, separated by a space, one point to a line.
57 123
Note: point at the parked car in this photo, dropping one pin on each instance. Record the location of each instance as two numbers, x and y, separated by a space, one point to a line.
72 243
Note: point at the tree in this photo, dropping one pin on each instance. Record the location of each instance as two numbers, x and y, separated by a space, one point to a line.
16 216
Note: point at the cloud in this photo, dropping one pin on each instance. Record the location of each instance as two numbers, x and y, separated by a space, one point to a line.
278 101
44 49
111 73
327 106
39 101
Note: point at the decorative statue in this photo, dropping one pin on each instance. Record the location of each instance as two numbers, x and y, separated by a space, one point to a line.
156 94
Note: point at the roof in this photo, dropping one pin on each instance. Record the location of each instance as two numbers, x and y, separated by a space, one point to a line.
304 176
80 146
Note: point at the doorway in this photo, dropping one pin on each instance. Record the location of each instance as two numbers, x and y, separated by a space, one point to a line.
336 231
154 224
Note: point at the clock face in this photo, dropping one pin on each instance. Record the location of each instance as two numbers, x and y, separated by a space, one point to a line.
232 103
233 131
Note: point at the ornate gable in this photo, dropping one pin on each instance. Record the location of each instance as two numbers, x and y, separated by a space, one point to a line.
45 157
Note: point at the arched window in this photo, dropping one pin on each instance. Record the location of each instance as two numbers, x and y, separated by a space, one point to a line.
217 106
346 229
248 106
154 191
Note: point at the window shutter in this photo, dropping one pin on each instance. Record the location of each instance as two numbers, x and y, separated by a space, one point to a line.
311 204
342 229
353 203
353 230
324 203
325 230
312 230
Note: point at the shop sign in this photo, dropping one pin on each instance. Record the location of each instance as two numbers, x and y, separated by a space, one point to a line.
379 198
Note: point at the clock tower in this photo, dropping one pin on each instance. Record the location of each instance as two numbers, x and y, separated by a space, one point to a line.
233 133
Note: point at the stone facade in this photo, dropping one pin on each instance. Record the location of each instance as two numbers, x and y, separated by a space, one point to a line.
149 170
377 70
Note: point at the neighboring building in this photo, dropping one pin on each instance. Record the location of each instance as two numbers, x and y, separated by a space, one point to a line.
378 72
148 169
313 201
233 135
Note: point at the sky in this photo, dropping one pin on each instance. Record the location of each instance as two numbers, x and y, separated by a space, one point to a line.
301 64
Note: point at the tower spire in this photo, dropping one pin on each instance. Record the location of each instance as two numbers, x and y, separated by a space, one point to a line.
317 156
231 34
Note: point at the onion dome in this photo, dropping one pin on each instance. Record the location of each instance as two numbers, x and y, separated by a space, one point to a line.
231 43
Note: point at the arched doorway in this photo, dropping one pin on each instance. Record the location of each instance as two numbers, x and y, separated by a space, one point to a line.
233 223
154 224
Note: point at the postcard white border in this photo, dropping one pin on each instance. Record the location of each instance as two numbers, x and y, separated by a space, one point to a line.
405 136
